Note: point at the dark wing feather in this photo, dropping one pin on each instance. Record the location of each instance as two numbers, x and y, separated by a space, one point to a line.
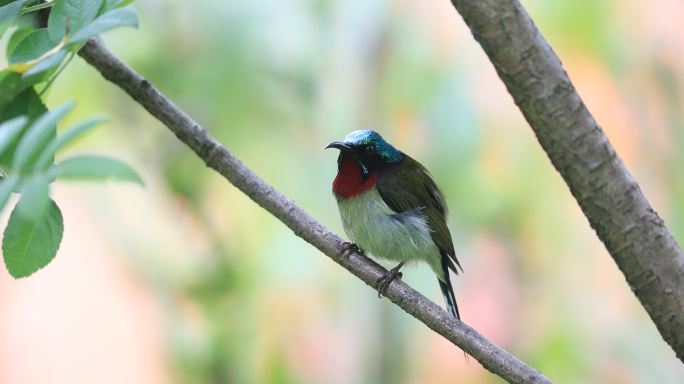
408 186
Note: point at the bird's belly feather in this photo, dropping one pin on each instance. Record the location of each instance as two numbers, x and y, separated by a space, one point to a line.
375 228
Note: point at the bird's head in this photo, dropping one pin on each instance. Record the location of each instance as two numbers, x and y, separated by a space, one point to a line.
370 151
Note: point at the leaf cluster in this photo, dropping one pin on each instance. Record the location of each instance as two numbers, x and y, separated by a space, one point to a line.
28 130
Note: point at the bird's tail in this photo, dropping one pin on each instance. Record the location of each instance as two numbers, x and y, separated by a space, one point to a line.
447 289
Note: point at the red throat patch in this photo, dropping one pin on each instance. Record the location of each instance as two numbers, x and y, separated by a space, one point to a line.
349 181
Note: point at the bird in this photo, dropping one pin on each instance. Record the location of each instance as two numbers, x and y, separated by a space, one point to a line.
391 207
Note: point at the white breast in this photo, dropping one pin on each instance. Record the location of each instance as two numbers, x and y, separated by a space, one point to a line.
375 228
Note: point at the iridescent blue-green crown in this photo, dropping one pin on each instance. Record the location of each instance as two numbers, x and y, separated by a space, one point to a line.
368 137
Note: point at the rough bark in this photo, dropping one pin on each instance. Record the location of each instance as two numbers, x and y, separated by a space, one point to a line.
610 198
217 157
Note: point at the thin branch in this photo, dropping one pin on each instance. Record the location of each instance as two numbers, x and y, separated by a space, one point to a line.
611 199
216 156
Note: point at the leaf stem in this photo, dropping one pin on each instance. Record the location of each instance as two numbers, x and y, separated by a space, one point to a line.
59 71
37 7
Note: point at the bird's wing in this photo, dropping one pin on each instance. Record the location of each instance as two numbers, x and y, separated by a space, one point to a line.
408 186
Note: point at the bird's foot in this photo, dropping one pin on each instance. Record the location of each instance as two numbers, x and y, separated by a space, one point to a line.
349 248
388 278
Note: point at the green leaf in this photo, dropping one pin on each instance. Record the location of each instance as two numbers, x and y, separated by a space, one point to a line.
38 135
34 197
111 4
27 103
9 131
8 13
28 246
7 185
3 28
16 38
71 134
47 64
32 47
110 20
11 85
95 168
79 12
11 10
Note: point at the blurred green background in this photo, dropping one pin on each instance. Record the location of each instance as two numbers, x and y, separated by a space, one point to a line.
188 281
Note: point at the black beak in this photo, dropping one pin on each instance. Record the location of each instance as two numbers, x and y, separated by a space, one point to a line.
339 145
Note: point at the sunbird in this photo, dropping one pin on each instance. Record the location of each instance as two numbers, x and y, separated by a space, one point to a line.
391 208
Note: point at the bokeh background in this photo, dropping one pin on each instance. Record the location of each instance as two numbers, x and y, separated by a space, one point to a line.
188 281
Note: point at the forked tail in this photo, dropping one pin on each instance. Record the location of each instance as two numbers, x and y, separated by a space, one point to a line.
448 290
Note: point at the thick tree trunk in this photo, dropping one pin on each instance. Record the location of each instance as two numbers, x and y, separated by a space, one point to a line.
610 198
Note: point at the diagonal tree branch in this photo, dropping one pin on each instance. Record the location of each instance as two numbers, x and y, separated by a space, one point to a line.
216 156
623 219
